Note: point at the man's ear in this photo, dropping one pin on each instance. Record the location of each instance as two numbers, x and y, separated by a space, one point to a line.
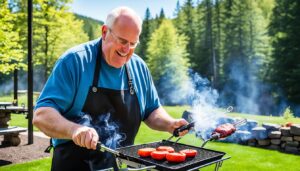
104 31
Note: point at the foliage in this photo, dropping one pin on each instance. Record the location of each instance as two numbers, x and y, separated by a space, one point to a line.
244 28
288 114
284 29
55 30
222 31
167 61
187 26
147 30
10 50
91 27
204 49
244 55
161 17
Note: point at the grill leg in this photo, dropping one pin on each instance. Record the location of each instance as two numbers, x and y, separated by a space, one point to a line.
218 165
119 163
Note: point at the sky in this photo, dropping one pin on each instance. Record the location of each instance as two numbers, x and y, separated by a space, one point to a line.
98 9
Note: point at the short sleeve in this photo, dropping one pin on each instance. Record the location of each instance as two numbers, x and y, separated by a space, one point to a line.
59 91
152 99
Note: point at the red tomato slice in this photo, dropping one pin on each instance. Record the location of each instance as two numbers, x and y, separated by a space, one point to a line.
175 157
145 152
165 148
159 155
189 152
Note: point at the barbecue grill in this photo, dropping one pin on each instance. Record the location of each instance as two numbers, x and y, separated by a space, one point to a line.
128 155
205 157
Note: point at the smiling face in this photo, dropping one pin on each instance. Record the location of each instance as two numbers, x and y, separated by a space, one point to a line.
119 40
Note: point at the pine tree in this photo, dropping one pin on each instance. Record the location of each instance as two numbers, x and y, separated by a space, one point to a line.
245 50
204 46
147 30
284 29
161 17
185 22
180 19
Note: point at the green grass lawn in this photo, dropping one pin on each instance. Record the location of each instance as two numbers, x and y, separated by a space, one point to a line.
266 119
22 98
242 157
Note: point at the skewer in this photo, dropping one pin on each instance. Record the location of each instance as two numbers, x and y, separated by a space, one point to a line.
216 136
240 122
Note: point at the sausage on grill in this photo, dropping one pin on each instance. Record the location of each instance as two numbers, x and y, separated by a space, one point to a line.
225 130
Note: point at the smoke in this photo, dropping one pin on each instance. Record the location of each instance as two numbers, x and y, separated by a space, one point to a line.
7 82
249 93
6 87
107 130
172 88
244 89
204 109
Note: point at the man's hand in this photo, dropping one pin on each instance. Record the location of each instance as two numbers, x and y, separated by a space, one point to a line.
85 137
178 123
160 120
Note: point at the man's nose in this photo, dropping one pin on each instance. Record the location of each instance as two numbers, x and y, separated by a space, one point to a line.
126 48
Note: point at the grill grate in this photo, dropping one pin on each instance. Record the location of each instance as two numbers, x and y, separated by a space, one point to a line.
204 156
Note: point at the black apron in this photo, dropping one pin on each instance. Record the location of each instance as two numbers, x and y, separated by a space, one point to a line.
121 113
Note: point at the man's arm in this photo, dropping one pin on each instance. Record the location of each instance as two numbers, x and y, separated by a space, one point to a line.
160 120
53 124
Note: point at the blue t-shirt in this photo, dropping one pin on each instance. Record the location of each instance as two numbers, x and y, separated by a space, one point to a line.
67 87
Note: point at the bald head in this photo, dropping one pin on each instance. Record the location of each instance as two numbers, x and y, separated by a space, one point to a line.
120 36
126 14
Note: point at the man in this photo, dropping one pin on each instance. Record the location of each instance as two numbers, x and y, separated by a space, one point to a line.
95 86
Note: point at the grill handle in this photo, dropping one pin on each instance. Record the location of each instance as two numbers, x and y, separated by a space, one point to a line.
139 169
183 128
103 148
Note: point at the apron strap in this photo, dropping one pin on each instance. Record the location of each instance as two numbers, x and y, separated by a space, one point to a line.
97 68
130 82
48 149
97 72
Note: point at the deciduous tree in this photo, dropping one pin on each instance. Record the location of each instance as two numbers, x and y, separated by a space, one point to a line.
168 63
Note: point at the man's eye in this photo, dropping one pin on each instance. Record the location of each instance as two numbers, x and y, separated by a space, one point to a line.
124 42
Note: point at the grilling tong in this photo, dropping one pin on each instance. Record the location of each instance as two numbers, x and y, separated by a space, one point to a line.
180 129
103 148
